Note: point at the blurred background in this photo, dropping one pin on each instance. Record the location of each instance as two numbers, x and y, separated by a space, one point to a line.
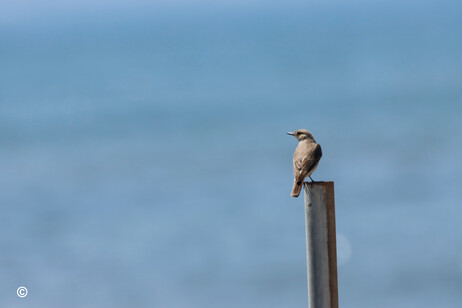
144 160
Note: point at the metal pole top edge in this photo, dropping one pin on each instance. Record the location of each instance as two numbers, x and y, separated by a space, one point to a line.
322 183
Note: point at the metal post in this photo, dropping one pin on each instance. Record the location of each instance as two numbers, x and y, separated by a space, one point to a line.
321 245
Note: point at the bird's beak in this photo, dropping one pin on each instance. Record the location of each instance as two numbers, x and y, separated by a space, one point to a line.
289 133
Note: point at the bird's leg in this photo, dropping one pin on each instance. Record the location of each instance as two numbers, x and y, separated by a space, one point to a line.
312 181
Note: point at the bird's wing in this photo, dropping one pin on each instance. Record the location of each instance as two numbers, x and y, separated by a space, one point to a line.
305 158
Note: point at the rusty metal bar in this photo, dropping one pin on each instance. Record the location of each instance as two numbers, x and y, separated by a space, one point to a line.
321 245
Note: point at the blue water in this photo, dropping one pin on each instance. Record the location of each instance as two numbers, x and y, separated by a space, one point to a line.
144 161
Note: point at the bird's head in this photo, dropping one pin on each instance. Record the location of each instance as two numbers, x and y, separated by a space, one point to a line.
302 134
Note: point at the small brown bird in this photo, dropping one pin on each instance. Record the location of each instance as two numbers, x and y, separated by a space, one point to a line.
306 158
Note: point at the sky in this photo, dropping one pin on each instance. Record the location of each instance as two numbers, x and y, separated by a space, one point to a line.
14 12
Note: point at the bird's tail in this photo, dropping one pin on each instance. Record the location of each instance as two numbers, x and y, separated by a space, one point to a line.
296 189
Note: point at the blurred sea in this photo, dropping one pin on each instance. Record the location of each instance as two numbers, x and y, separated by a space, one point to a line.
144 161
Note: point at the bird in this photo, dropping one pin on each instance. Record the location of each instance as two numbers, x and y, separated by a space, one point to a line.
306 158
